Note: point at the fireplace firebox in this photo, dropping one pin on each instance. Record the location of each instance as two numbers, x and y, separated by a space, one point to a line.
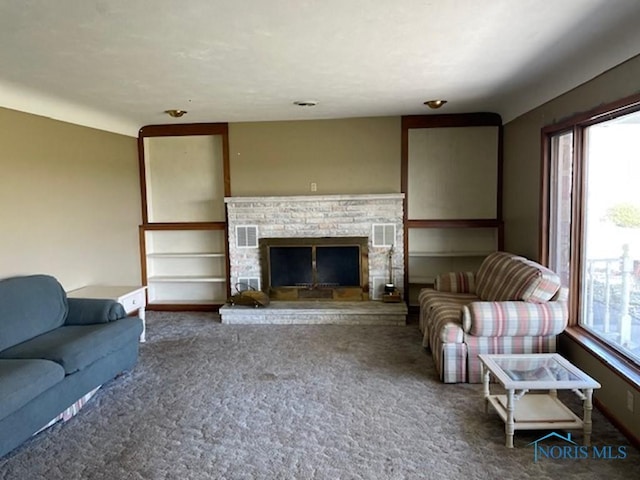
329 268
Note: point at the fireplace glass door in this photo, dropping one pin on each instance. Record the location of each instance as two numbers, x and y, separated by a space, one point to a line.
314 268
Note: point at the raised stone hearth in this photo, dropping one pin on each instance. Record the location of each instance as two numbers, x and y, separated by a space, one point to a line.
318 312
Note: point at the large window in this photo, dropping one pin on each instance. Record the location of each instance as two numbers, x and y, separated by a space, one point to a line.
591 222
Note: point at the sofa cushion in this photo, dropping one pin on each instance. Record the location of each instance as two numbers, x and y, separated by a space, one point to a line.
444 302
500 278
428 298
446 322
24 380
456 282
504 276
87 311
544 287
30 306
514 319
77 346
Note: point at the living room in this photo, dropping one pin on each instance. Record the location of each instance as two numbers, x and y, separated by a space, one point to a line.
70 197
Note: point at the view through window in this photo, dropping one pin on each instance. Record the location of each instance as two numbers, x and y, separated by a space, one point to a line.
593 219
610 271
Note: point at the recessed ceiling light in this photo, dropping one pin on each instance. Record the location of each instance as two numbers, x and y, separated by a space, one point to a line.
175 113
306 103
434 104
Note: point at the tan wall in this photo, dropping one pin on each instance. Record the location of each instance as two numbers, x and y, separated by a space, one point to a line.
522 156
357 155
69 202
522 159
614 389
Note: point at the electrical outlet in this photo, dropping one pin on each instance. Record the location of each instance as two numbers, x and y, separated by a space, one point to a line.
314 187
629 401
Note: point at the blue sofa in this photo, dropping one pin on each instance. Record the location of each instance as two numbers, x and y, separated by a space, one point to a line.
54 350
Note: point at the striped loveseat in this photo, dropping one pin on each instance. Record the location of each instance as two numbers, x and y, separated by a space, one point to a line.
510 305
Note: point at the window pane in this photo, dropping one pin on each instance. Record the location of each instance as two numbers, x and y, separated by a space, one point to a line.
560 204
610 297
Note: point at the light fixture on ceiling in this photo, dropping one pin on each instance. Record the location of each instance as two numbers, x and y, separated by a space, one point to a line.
434 104
306 103
175 113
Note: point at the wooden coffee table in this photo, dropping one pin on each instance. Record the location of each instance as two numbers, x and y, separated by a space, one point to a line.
521 373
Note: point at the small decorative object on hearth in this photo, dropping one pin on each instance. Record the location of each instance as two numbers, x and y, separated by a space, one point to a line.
390 261
248 297
391 294
392 297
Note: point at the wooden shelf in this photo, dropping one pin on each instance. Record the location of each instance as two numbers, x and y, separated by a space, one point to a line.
177 226
186 279
537 412
210 301
422 280
450 254
454 223
186 255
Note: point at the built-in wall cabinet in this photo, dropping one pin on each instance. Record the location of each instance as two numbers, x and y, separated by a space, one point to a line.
184 176
451 177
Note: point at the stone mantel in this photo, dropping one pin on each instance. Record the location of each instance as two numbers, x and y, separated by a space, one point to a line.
316 198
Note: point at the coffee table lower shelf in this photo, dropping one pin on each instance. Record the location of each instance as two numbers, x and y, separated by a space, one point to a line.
537 412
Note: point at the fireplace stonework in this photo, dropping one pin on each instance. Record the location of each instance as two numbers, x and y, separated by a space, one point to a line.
318 216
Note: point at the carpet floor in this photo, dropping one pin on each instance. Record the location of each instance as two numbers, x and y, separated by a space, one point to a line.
213 401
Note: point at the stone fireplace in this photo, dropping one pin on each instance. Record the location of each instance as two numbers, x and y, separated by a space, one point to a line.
317 226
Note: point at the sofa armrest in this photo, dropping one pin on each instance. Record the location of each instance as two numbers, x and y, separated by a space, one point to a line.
456 282
87 311
514 319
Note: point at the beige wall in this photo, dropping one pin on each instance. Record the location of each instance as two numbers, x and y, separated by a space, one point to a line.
356 155
452 159
522 154
614 389
69 202
522 157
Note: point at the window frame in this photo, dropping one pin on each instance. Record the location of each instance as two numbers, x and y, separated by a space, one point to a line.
614 359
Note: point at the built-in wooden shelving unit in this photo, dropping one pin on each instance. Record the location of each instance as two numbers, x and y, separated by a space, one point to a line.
184 177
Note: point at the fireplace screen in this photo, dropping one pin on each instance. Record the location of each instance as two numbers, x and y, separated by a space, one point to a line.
331 268
291 266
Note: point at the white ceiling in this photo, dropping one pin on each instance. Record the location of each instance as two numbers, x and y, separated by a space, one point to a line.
118 64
